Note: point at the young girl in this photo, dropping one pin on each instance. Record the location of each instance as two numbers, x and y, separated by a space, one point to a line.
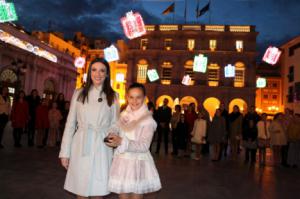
54 116
133 172
199 133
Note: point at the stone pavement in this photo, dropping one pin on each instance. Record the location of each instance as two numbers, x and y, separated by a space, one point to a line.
31 173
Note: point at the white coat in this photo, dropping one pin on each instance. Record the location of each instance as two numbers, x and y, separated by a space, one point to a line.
199 131
90 159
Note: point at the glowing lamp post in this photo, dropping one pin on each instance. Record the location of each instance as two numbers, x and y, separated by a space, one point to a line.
187 80
7 12
152 75
111 53
272 55
133 25
79 62
261 82
200 63
229 70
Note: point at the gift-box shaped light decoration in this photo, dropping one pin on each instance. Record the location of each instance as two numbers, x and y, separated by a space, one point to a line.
133 25
261 82
111 54
7 12
200 63
79 62
272 55
120 77
229 70
152 75
187 80
84 77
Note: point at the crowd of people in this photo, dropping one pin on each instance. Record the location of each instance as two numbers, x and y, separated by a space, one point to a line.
43 120
250 132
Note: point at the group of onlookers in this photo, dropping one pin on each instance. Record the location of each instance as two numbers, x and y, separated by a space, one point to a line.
250 132
42 120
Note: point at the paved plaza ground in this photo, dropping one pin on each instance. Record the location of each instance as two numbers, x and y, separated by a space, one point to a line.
31 173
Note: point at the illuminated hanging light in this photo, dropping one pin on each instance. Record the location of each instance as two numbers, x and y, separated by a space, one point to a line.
8 38
133 25
7 12
111 54
79 62
84 77
200 63
152 75
229 70
120 77
261 82
272 55
187 80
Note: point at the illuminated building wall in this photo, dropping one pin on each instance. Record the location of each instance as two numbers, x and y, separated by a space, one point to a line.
34 69
290 73
178 45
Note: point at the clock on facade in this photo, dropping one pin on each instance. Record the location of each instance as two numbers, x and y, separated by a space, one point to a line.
8 76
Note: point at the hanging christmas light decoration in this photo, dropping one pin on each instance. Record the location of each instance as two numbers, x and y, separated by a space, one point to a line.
111 53
133 25
79 62
272 55
229 70
7 12
120 77
261 82
187 80
152 75
200 63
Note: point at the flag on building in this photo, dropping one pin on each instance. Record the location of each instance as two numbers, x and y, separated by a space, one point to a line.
203 10
169 9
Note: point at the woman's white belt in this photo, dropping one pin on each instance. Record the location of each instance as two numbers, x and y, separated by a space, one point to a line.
134 156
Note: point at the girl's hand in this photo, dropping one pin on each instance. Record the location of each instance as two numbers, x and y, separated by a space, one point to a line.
65 162
115 140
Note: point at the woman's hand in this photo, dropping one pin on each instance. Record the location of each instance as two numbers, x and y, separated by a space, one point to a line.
65 162
114 140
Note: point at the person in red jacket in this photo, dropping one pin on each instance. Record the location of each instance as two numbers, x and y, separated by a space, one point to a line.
41 122
19 117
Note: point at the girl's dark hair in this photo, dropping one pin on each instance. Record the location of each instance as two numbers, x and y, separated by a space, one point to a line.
107 89
277 115
150 105
139 86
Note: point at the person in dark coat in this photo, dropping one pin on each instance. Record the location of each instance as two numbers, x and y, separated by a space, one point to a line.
33 101
19 117
250 134
182 135
164 114
216 134
224 144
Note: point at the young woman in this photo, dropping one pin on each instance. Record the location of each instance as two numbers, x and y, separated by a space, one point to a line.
19 117
41 123
133 172
263 138
198 134
94 110
54 116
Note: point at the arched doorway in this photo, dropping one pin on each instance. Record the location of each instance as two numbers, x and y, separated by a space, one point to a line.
159 101
185 101
211 104
9 79
240 103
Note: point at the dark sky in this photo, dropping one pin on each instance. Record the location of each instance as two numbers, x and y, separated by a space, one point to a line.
277 21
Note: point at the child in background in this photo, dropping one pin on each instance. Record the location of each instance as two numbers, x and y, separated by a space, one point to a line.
54 116
199 134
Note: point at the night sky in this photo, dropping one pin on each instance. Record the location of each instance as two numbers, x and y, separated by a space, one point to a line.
277 21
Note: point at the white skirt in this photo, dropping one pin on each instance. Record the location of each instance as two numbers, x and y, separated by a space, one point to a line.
133 173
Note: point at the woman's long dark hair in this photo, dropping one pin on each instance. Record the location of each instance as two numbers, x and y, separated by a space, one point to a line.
106 88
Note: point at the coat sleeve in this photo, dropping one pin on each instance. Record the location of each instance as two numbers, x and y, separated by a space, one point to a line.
65 150
143 141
